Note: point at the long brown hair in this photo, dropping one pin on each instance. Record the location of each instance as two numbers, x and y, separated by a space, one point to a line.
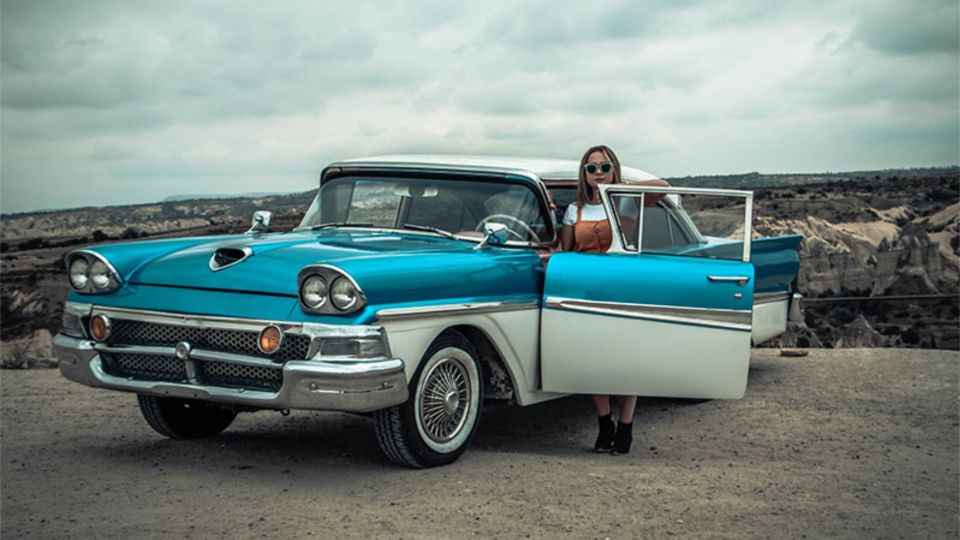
584 189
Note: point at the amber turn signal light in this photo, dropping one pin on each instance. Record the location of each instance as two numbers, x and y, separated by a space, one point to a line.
100 327
270 340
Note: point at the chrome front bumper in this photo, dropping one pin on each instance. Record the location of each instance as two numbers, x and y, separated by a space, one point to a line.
359 386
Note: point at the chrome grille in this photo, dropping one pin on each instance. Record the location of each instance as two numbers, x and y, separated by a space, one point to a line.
239 375
144 366
149 367
129 332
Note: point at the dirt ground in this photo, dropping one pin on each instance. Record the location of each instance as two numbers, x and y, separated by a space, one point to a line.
841 443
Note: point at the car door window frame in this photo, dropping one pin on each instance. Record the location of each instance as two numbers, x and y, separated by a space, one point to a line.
617 246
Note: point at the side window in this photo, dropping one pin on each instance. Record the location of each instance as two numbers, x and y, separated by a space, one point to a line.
678 235
718 217
656 229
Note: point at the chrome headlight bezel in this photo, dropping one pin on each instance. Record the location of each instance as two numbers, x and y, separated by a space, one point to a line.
110 278
330 275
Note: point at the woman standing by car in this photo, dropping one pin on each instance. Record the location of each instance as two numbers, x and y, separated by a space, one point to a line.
587 230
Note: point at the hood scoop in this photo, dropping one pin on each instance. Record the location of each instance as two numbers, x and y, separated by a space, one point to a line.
228 256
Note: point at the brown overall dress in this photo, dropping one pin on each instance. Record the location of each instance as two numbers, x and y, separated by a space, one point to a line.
591 236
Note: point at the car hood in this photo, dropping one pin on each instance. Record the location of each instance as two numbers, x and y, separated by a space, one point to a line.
274 261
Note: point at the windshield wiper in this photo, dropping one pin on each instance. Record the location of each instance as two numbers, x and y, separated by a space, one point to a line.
335 224
441 232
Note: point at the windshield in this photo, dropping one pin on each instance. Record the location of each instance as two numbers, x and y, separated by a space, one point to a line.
460 207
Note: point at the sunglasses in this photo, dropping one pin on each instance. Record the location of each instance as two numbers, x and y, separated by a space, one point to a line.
592 168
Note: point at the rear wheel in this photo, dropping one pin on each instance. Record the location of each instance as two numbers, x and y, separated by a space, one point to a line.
184 418
435 426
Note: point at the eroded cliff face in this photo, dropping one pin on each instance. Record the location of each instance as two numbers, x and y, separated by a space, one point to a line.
885 250
874 258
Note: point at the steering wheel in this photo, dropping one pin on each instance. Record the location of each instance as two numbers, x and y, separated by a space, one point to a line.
520 225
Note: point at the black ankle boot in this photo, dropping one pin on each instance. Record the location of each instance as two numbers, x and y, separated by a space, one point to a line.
605 437
623 439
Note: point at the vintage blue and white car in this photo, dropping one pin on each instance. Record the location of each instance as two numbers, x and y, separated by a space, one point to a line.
416 287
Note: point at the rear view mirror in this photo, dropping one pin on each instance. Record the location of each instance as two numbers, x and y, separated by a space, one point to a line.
261 222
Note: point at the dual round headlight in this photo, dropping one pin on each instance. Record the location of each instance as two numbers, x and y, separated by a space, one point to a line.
313 292
99 275
326 291
89 274
343 293
79 273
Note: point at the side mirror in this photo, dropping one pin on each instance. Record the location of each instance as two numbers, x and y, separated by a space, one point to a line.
261 222
494 234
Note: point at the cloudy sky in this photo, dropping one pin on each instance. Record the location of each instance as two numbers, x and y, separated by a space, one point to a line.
111 101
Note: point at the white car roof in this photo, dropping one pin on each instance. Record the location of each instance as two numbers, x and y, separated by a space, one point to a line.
544 168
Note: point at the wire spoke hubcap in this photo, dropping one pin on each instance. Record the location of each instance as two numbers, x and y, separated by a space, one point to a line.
445 401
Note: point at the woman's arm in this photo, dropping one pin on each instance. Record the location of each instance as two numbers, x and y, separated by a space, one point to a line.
566 238
652 198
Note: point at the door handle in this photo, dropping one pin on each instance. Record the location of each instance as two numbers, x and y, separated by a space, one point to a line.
742 280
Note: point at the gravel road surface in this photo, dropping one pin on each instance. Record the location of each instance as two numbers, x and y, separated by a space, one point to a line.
841 443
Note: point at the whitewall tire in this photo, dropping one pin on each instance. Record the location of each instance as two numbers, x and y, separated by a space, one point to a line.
435 426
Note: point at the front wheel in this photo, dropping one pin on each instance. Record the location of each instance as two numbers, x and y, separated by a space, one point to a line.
435 426
184 418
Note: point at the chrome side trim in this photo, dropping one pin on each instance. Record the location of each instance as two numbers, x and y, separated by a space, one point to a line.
770 297
732 319
454 309
742 280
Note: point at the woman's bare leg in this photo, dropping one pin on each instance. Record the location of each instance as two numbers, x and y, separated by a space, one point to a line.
605 423
628 404
602 405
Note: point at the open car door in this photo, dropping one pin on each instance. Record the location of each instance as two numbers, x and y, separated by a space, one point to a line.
666 311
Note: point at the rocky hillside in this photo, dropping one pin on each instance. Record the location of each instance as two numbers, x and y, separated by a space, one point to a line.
874 238
865 236
90 224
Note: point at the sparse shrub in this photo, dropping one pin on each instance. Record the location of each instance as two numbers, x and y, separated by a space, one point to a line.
100 236
33 243
131 233
4 247
910 337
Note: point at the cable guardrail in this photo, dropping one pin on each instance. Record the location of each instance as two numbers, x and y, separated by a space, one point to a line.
892 298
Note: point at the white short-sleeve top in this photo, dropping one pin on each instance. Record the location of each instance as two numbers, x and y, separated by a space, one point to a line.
591 212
